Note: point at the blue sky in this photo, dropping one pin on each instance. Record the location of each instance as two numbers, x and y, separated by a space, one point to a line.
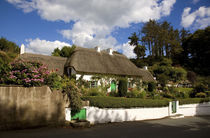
44 25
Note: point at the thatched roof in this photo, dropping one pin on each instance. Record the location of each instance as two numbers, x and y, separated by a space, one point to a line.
85 60
146 75
52 62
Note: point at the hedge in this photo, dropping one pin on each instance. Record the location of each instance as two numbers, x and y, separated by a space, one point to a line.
193 100
117 102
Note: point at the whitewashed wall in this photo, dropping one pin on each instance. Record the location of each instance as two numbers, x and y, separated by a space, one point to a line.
98 115
195 109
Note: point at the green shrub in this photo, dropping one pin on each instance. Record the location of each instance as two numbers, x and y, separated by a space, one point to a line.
95 92
142 95
73 93
200 88
182 95
113 94
207 93
181 89
193 100
201 95
118 102
55 81
132 94
122 87
151 86
168 95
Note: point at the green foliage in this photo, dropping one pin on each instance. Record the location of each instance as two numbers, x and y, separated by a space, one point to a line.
201 95
8 46
193 100
134 93
122 87
8 51
95 92
66 51
151 86
191 76
117 102
180 89
196 51
73 93
54 81
200 88
142 95
138 50
164 72
207 93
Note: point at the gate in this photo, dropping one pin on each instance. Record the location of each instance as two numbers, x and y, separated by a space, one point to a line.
174 107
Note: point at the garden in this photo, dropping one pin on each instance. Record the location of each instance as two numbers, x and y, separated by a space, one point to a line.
145 94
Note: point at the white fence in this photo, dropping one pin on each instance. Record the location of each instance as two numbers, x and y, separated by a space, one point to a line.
104 115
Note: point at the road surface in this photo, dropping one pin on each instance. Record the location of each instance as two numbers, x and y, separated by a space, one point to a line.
188 127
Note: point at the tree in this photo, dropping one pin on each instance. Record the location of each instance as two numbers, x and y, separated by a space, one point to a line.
122 87
161 39
66 51
197 51
8 50
138 50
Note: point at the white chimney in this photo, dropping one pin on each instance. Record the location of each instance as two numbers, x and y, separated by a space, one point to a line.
22 49
145 68
98 49
110 51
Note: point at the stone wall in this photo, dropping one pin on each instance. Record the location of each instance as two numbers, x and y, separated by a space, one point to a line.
30 107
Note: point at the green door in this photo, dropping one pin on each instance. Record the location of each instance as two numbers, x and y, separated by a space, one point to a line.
113 86
81 115
173 106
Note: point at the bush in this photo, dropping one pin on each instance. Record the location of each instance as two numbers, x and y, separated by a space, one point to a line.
151 86
117 102
73 93
142 95
26 73
193 100
201 95
95 92
122 87
207 93
132 94
54 81
200 88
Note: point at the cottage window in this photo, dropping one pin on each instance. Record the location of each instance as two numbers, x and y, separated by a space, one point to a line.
93 84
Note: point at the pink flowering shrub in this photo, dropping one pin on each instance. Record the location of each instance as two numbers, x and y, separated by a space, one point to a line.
27 73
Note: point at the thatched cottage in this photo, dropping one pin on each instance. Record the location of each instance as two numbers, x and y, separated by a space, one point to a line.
90 62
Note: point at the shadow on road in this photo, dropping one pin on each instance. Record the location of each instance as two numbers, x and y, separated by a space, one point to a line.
172 128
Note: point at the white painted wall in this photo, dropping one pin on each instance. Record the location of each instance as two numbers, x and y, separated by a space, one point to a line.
195 109
98 115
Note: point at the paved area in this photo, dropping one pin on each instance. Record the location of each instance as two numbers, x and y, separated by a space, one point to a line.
188 127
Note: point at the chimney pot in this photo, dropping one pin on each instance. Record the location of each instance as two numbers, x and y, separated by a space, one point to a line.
110 51
145 68
22 49
98 49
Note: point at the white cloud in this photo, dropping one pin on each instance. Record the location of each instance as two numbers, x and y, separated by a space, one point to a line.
198 19
127 50
94 20
42 46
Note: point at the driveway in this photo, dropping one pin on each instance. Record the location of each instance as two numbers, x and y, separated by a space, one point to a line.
192 127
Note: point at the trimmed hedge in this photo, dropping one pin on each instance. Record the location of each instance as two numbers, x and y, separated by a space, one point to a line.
193 100
117 102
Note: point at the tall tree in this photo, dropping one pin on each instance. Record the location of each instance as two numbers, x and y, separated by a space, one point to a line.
197 50
138 50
